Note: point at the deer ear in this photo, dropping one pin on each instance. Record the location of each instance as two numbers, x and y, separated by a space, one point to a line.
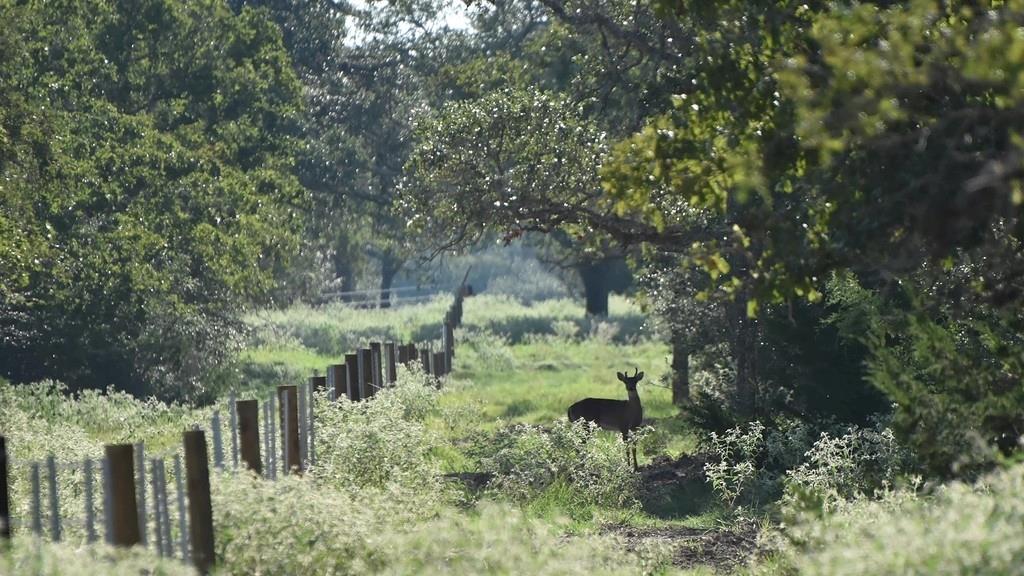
639 376
621 376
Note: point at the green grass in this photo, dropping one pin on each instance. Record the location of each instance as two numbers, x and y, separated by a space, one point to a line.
514 364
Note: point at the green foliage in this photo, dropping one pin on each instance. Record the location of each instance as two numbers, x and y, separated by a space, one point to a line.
753 464
950 368
147 157
737 454
511 158
383 442
40 558
855 464
528 460
962 529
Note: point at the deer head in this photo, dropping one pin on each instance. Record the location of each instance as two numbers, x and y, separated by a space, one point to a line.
631 381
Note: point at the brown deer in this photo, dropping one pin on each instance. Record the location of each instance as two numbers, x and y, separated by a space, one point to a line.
619 415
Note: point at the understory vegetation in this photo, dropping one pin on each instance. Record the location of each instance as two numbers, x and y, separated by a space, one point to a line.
485 475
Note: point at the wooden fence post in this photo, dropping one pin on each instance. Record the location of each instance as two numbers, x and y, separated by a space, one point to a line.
352 368
439 364
336 380
365 368
5 496
124 512
392 367
425 359
288 400
449 341
376 366
249 433
200 507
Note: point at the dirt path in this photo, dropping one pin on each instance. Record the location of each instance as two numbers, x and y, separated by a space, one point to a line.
722 549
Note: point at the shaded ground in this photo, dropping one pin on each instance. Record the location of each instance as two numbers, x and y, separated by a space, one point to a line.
722 550
673 490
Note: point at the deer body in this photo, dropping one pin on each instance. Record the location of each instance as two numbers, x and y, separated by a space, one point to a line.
621 416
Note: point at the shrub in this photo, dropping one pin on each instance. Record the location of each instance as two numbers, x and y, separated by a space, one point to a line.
527 460
737 453
39 558
382 441
854 464
963 529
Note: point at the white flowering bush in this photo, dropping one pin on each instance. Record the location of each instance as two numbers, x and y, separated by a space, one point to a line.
381 441
735 464
850 465
29 555
526 460
962 529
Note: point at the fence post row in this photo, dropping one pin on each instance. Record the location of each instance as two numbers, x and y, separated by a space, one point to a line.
124 470
200 508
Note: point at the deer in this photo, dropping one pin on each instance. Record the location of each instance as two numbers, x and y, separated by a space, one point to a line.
617 415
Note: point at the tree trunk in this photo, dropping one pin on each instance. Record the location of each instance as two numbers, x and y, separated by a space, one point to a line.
680 369
595 287
744 343
344 269
389 267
